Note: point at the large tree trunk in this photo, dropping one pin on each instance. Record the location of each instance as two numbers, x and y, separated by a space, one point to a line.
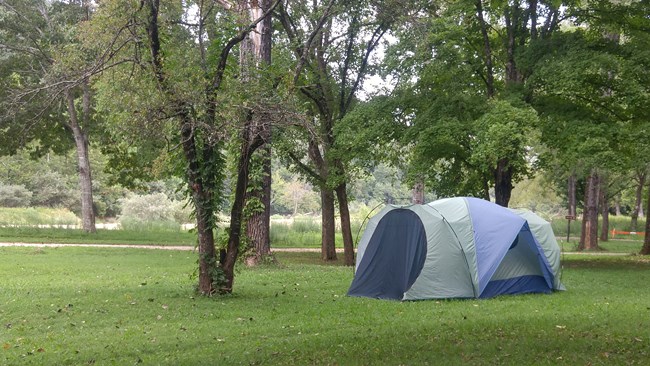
645 250
81 144
346 228
502 183
641 177
259 223
258 52
604 210
589 238
328 248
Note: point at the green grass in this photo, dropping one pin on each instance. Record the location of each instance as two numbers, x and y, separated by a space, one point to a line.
611 246
121 307
67 236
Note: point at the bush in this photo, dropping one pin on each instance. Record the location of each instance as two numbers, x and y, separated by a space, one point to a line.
52 189
14 196
152 212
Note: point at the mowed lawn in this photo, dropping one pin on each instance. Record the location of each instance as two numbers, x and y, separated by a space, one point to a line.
85 306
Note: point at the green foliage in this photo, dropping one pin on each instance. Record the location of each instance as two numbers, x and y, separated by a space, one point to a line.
142 304
14 196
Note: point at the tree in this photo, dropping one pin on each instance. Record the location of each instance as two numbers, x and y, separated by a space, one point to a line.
49 96
174 73
328 77
255 55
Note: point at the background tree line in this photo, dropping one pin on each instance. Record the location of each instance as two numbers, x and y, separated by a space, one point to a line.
480 96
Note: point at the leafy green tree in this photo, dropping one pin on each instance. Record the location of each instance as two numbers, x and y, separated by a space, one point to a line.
46 89
590 92
174 64
332 43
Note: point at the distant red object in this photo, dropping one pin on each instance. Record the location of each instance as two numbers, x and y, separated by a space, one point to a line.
639 233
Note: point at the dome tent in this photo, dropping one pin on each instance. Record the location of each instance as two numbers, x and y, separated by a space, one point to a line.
452 248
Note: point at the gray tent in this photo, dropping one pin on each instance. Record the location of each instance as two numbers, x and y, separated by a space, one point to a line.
454 248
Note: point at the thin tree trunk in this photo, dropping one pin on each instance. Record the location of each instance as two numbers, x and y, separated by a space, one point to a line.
328 248
503 183
346 229
572 195
248 147
617 205
645 250
641 177
486 190
604 211
590 214
487 49
85 178
417 197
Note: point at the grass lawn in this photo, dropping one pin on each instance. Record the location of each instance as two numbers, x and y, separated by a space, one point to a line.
612 246
81 306
103 236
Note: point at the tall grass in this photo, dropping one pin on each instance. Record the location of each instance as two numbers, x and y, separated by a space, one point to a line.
34 216
304 233
119 307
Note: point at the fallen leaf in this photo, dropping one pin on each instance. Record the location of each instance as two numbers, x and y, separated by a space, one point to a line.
560 326
165 307
6 346
40 350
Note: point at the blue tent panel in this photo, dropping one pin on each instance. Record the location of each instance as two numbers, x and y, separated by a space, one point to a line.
493 225
393 258
517 285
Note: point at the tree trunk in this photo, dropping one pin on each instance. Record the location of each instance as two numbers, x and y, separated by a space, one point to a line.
572 195
645 250
641 177
81 144
259 223
417 197
487 49
248 147
255 52
617 205
604 211
328 248
589 236
346 228
502 183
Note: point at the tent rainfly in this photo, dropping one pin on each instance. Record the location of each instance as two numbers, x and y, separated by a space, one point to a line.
459 247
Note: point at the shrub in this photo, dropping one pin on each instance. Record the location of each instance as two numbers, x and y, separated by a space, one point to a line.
152 212
14 196
52 189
